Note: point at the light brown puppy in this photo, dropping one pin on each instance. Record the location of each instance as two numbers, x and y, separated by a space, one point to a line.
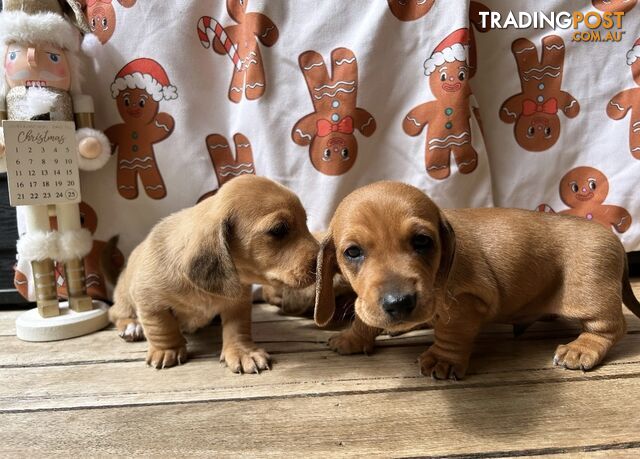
411 263
200 262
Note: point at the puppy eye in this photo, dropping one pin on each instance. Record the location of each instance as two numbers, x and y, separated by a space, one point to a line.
421 243
574 187
345 153
353 253
531 131
592 184
443 76
279 231
547 132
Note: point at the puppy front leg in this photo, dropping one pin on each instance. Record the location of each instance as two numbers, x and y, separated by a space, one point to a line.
167 346
359 338
239 352
448 356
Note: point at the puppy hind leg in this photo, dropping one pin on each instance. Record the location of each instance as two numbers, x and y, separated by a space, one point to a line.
123 315
167 346
588 349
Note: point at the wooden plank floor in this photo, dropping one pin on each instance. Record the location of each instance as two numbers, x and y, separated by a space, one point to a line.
94 396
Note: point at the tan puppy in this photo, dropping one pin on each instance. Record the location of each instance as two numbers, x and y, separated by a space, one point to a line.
201 262
411 263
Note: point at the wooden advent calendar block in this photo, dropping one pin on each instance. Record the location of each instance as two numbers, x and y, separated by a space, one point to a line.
42 163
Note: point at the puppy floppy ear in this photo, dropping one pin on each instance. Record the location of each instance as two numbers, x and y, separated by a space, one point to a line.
325 270
447 250
210 264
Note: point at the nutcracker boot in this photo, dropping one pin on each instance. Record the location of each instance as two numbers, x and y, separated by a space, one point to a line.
74 243
39 246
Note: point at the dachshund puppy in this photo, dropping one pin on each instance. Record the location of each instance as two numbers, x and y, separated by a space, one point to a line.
200 262
411 263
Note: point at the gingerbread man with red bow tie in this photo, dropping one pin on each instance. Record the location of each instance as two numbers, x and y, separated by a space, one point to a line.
535 110
329 130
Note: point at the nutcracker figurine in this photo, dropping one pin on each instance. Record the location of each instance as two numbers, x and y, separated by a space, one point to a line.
40 80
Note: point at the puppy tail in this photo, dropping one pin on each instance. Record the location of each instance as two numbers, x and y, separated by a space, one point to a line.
109 271
628 298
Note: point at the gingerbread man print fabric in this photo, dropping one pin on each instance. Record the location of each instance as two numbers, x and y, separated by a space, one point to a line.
330 129
327 96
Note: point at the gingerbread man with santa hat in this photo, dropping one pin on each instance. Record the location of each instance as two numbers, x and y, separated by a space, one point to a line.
448 117
139 87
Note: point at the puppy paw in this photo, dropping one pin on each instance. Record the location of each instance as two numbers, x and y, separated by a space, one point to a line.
165 358
347 342
245 359
130 330
576 356
431 364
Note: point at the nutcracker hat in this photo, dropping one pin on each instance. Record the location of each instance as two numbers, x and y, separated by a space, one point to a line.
454 47
634 53
41 21
55 22
144 74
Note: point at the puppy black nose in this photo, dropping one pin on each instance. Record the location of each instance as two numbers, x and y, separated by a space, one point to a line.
398 305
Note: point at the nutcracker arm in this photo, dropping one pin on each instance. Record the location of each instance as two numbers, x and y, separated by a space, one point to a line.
94 149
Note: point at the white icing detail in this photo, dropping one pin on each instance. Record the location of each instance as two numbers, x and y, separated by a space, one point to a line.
125 187
466 163
450 136
444 166
251 86
570 105
147 187
540 77
414 121
231 166
550 47
136 166
218 145
313 65
350 83
509 113
161 126
266 32
240 172
636 123
334 94
345 61
619 107
447 145
369 121
142 160
541 69
233 88
243 145
525 49
303 135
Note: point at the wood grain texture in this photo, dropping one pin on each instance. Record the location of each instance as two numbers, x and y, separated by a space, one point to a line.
93 396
